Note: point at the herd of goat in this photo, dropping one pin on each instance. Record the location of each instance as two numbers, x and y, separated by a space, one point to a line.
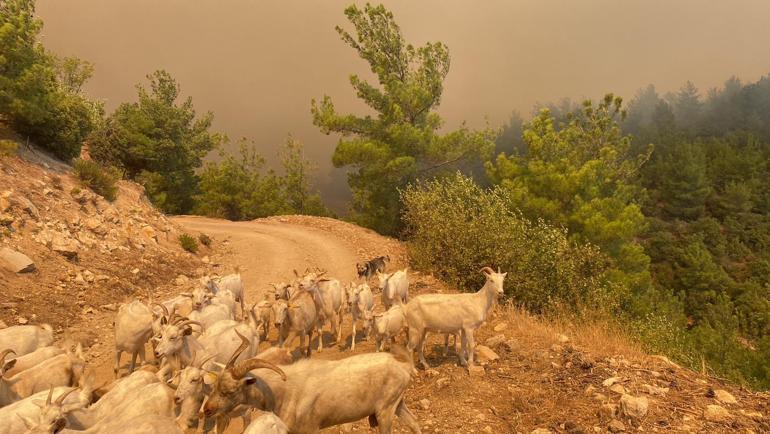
208 369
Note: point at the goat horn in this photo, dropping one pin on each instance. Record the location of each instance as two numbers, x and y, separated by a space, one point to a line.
244 344
50 393
295 273
189 322
487 270
247 365
5 353
205 359
60 399
163 307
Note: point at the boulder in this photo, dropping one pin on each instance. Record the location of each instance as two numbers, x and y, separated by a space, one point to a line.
716 413
616 426
64 246
608 411
475 371
15 262
634 407
149 233
495 340
724 397
485 354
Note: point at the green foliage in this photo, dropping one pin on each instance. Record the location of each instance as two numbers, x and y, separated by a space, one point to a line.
455 227
100 179
240 188
8 148
581 175
188 243
158 142
40 94
386 151
204 239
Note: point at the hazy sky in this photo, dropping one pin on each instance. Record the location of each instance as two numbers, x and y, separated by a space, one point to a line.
256 64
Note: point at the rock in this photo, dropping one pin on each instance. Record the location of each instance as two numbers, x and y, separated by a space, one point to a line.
724 397
442 382
485 354
511 345
590 390
495 340
541 431
205 260
28 206
487 429
15 262
754 415
21 320
599 397
654 390
64 246
608 411
135 271
562 338
432 373
149 233
425 404
6 219
80 280
616 426
610 381
181 280
634 407
476 371
716 413
618 388
500 327
5 204
88 276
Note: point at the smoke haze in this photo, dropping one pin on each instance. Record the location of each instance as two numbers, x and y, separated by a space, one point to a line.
257 64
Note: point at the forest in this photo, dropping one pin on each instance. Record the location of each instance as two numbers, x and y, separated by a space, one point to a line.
652 210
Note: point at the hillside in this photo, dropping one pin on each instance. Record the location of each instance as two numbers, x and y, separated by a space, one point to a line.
538 376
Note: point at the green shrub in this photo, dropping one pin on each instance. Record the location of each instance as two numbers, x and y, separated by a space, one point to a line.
188 243
75 190
8 148
454 227
205 240
100 179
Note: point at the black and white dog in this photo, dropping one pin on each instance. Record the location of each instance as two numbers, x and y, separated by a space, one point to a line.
370 268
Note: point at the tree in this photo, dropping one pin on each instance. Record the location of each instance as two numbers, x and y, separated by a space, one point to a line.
401 141
684 185
296 181
582 177
687 108
40 95
158 142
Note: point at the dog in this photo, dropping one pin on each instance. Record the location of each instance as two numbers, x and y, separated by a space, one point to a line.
372 267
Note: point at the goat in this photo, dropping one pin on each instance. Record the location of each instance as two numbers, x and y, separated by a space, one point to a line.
394 287
32 359
284 291
372 267
231 282
301 317
32 415
25 339
62 370
450 313
361 303
388 325
211 314
133 328
331 301
306 395
264 310
267 423
176 345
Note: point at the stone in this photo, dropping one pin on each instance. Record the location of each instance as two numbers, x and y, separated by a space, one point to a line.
5 204
28 206
88 276
654 390
487 429
80 280
425 404
599 397
618 388
476 371
616 426
181 280
590 390
541 431
562 338
716 413
724 397
149 233
608 411
15 262
442 382
634 407
64 246
511 345
755 415
485 354
610 381
6 219
495 340
3 325
205 260
500 327
21 320
135 271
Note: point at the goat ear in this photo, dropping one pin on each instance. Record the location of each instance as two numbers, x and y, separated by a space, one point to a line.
9 365
249 380
210 378
187 331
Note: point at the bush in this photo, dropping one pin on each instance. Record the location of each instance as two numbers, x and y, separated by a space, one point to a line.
188 243
205 240
454 227
100 179
8 148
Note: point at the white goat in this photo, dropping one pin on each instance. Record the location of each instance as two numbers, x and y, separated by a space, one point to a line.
267 423
32 359
331 301
231 282
450 313
133 328
38 410
361 301
25 339
394 287
300 316
388 325
62 370
211 314
306 395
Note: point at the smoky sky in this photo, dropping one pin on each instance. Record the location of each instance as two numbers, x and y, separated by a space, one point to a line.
257 64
